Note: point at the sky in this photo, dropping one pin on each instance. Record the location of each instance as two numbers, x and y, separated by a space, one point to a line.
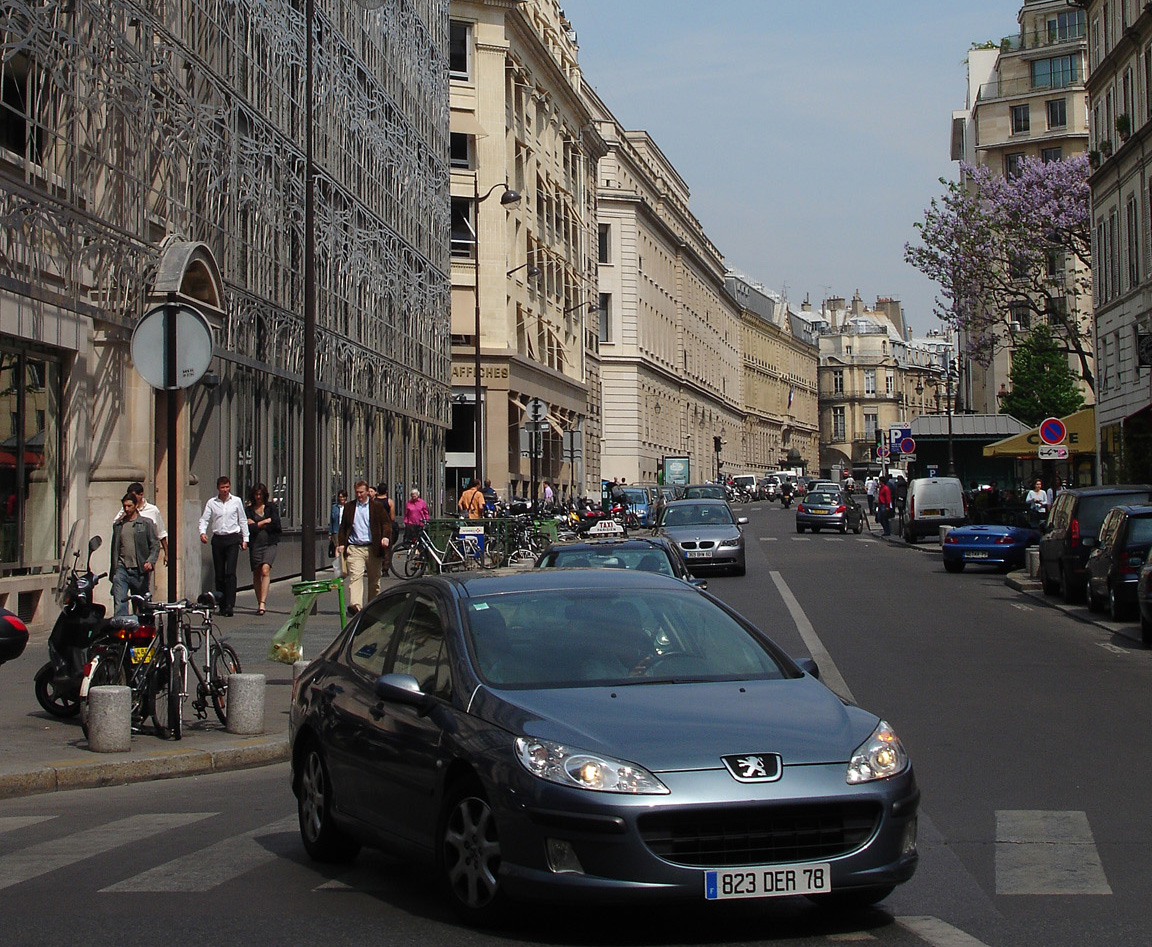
812 134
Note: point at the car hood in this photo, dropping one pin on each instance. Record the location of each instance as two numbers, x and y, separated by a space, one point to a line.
666 727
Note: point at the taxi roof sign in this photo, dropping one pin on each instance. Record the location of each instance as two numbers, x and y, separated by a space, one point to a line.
606 528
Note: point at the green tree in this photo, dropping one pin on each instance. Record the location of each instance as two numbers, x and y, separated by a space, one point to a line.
1043 386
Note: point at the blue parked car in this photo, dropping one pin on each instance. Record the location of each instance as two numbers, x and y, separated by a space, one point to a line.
638 503
999 539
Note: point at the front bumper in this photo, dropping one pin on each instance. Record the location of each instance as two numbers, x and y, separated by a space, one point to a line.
619 864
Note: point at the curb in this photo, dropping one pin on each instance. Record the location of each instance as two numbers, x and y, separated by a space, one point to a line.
1020 581
118 771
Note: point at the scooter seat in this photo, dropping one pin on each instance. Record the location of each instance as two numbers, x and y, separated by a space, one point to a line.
124 623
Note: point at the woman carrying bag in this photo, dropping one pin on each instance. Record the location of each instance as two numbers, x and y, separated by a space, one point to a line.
264 535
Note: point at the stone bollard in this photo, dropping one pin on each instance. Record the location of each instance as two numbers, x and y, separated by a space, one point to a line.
245 703
110 719
1032 562
298 668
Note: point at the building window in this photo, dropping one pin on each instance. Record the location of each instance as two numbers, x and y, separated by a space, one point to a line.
870 425
461 150
30 475
460 51
838 424
869 381
605 243
1147 81
1013 164
1019 315
463 228
605 314
1021 119
1055 73
889 383
1054 264
1051 154
838 382
1057 113
1132 226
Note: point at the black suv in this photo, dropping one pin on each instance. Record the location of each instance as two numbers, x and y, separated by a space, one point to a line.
1114 565
1072 530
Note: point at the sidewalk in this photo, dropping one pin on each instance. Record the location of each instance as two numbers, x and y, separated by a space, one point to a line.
42 753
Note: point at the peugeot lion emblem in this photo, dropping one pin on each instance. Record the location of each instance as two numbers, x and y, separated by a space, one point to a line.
754 767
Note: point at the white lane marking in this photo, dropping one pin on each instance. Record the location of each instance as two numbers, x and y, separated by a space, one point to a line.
850 937
209 867
1108 646
938 933
28 863
801 539
768 539
829 674
1047 852
1023 608
10 823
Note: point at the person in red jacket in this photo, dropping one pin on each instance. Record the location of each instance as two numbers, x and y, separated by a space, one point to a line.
884 505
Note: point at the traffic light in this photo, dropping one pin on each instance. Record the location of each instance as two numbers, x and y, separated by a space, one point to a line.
716 443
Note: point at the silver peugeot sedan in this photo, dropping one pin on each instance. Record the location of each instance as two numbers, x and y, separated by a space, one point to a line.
707 533
593 734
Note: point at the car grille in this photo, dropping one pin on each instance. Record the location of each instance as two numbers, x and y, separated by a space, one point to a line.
703 544
759 835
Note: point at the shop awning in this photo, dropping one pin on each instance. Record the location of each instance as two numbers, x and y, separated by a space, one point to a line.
1080 439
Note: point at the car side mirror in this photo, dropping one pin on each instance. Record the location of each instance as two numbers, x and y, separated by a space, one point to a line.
402 689
808 666
742 521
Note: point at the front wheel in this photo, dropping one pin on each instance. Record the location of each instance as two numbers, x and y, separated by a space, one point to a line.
400 553
159 678
50 697
469 855
177 673
224 662
323 841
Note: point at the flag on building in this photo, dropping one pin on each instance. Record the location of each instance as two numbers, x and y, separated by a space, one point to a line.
791 395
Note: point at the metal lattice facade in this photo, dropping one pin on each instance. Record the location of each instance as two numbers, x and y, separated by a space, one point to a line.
126 125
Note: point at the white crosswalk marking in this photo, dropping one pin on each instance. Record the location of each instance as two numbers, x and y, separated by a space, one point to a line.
28 863
203 870
10 823
938 932
1047 852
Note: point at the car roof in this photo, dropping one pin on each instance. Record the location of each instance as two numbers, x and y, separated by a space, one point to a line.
1112 488
497 583
1134 510
696 501
632 542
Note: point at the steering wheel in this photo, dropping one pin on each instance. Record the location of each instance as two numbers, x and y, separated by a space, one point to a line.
660 659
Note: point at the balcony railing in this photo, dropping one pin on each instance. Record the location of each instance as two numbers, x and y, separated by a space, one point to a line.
1002 88
1044 38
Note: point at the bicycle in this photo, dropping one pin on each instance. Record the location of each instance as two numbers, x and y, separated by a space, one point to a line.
411 558
220 660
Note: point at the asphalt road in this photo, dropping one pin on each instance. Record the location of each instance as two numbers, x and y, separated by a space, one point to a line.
1026 728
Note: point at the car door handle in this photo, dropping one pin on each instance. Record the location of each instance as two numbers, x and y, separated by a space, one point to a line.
377 712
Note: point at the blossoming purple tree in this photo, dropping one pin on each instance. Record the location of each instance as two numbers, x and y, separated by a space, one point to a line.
1012 249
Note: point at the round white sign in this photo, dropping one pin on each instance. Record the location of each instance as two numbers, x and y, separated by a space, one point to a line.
192 352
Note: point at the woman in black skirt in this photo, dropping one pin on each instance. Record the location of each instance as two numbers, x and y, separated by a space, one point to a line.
263 536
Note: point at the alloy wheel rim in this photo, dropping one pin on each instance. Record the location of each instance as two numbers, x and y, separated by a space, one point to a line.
472 853
312 796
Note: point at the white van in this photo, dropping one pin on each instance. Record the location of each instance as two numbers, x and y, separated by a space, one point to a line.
933 502
746 482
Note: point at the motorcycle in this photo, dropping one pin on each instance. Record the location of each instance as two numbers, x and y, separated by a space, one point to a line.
79 624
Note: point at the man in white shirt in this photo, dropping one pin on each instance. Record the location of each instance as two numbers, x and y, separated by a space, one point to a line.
870 486
150 511
224 518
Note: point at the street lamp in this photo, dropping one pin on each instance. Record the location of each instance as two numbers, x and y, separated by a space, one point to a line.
509 197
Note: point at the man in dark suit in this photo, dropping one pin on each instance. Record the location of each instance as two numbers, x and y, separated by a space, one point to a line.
362 545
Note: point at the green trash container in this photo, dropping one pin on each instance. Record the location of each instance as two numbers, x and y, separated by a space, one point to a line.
286 647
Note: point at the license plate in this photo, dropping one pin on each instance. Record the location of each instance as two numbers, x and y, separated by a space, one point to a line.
139 654
931 512
698 554
822 512
767 881
975 555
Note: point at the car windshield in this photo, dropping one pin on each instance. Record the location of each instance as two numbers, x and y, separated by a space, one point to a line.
608 557
635 496
699 493
698 514
555 638
823 499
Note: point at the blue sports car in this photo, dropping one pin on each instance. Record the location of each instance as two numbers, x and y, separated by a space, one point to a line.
998 540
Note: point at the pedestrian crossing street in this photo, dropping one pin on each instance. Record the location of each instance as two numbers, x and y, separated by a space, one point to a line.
1037 853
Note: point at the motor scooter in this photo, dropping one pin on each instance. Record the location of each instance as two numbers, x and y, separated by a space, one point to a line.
79 624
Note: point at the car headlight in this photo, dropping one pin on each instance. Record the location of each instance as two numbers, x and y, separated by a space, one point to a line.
729 543
880 756
569 766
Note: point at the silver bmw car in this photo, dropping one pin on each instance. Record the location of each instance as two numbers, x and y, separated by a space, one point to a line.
707 533
593 734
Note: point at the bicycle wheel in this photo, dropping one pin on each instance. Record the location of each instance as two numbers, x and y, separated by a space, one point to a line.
454 559
177 672
224 662
491 558
409 562
157 700
400 553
